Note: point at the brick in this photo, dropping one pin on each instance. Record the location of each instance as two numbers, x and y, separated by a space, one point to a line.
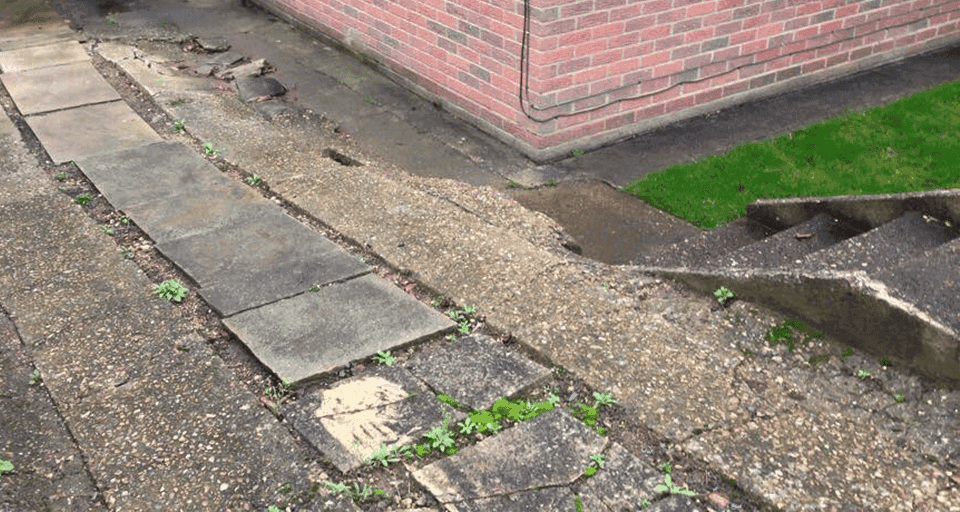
575 38
589 75
740 62
479 72
623 66
624 40
743 37
736 87
592 20
690 75
572 66
823 16
572 10
728 28
756 21
491 39
654 32
668 42
754 47
640 23
468 79
860 53
713 69
838 59
666 18
630 11
786 74
724 5
707 97
608 30
668 69
592 47
796 23
699 35
697 61
718 18
678 104
701 8
557 27
605 85
762 81
685 51
783 15
769 30
603 5
714 44
802 57
726 54
573 93
655 85
656 58
816 65
746 12
687 25
654 6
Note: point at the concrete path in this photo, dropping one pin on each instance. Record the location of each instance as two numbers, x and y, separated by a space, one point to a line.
303 306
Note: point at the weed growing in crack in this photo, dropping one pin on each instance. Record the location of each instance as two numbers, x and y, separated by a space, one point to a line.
6 466
596 462
171 290
35 377
385 358
178 126
602 399
209 150
863 374
60 176
357 493
898 397
385 455
783 334
440 437
723 294
254 180
461 316
82 200
107 230
846 354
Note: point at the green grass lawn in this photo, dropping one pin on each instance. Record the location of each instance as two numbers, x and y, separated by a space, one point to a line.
910 145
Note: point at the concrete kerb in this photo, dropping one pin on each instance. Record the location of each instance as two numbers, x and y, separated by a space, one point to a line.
868 211
834 302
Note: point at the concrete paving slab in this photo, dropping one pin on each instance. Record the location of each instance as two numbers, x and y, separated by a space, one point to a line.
37 34
555 499
352 419
259 88
149 173
197 211
55 88
624 482
86 131
556 450
477 370
257 261
56 54
313 333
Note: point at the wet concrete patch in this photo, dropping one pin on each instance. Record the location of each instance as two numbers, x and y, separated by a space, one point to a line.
86 131
313 333
355 417
258 261
148 173
477 370
42 56
557 448
54 88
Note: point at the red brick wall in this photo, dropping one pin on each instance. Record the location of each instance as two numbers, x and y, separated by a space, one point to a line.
597 70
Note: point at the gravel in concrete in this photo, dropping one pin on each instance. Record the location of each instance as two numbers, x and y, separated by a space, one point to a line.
477 370
555 499
90 130
623 482
556 450
313 333
55 88
66 52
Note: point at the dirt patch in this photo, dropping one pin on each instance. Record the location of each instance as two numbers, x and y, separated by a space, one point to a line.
24 12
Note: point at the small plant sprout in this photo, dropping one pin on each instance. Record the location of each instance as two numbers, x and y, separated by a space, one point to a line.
178 126
35 377
576 153
314 289
171 290
60 176
387 454
723 294
550 183
124 219
107 230
126 252
898 397
82 200
437 301
596 462
668 486
254 180
461 317
602 399
886 361
6 466
440 437
846 353
209 150
863 374
385 358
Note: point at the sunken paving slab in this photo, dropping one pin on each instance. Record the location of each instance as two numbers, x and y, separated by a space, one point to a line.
554 499
313 333
355 417
624 482
42 56
86 131
477 370
46 89
556 448
146 173
260 260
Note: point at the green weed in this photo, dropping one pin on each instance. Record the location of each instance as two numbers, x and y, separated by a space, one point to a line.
35 377
6 466
723 294
550 183
254 180
60 176
783 334
107 230
385 358
602 399
171 290
179 126
82 200
863 374
209 150
898 397
576 153
668 486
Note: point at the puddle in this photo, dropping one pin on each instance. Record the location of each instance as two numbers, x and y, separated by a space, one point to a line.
609 225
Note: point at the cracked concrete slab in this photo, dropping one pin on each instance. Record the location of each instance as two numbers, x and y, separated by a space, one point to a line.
147 173
350 420
90 130
313 333
557 449
55 88
34 57
476 370
554 499
260 260
624 482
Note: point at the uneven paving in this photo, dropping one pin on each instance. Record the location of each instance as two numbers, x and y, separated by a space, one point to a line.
798 435
725 396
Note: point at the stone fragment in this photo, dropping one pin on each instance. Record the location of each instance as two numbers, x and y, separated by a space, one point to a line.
247 70
259 88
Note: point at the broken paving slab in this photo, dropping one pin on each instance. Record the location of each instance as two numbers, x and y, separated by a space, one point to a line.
313 333
552 449
55 88
352 419
554 499
476 371
91 130
44 56
259 88
146 173
218 62
260 260
625 481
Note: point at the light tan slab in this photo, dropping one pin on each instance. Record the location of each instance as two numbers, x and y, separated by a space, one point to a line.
36 57
56 88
